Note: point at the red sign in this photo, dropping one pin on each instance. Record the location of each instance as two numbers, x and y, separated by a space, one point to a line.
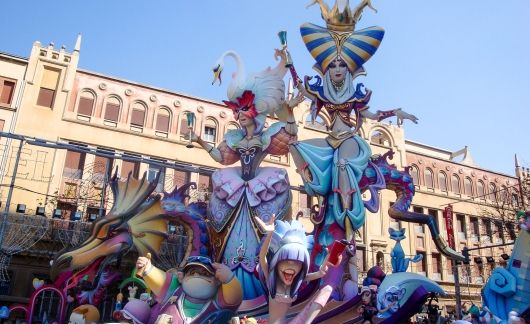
448 216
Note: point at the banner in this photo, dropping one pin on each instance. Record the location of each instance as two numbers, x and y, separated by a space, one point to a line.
448 216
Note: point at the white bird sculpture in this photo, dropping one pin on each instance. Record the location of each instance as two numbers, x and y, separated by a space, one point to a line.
268 86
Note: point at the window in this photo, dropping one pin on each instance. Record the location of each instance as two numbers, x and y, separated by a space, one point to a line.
130 167
48 87
210 131
449 266
461 226
498 232
415 174
515 197
152 173
428 179
468 187
319 123
100 163
204 187
7 89
436 266
442 181
86 103
455 184
162 120
421 266
487 231
112 109
380 259
474 229
480 190
183 127
231 126
74 163
180 178
380 138
491 191
504 195
138 114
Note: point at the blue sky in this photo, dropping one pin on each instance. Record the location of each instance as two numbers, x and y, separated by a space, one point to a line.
462 67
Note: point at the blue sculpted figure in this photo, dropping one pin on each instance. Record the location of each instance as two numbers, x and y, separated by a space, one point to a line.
399 262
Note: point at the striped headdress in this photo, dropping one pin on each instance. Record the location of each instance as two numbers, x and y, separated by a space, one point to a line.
355 47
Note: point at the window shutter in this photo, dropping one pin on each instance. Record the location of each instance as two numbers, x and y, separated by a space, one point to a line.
138 117
7 92
85 106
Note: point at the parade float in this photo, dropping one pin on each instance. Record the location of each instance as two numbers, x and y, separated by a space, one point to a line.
247 256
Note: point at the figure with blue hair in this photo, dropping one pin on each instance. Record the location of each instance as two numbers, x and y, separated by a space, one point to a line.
283 265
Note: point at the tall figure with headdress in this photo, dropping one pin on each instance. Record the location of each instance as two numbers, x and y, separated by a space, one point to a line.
242 193
332 167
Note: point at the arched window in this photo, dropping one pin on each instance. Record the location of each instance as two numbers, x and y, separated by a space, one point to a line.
504 195
415 174
492 195
455 184
210 130
515 200
442 181
163 118
86 103
319 122
112 109
231 126
380 138
138 113
380 259
429 183
481 190
468 187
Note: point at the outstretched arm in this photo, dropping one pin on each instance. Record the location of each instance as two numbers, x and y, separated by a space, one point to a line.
380 115
269 228
290 121
153 277
323 268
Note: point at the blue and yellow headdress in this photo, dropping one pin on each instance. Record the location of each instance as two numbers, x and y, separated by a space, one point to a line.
340 39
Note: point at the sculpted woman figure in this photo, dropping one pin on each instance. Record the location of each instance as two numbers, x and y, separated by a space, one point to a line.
331 167
240 193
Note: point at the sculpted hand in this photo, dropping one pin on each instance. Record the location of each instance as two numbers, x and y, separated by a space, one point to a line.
222 272
142 264
280 54
267 227
194 137
295 101
401 115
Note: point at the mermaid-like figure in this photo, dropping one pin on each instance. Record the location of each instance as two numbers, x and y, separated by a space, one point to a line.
332 167
241 193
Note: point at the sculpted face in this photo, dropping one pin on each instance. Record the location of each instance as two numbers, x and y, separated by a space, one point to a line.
244 120
288 270
199 283
338 70
366 298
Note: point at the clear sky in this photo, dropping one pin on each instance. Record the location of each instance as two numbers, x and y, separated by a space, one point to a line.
462 67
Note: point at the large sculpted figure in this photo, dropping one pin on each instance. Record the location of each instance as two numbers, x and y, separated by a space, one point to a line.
203 292
332 167
247 190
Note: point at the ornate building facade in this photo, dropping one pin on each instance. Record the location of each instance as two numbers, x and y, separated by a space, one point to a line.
140 128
